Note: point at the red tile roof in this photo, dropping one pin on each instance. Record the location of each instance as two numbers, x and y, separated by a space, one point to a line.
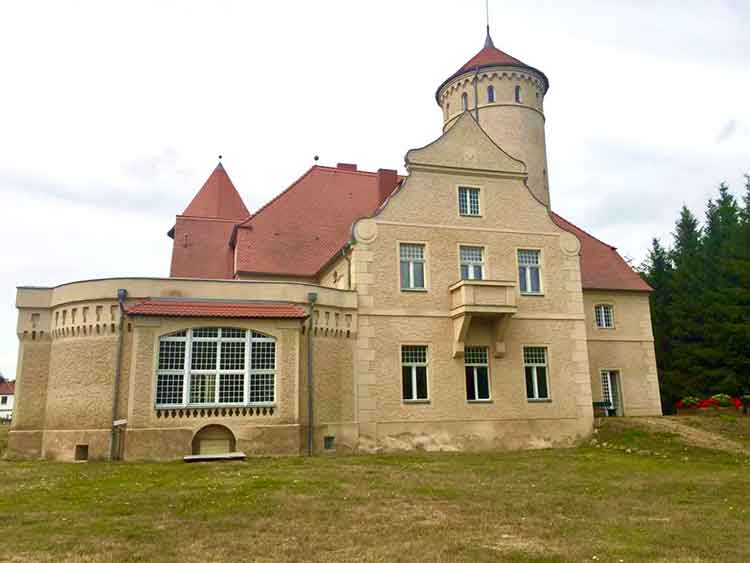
216 309
201 234
487 57
298 232
8 388
218 199
601 266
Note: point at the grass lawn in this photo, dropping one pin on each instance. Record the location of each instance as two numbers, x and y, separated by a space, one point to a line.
634 496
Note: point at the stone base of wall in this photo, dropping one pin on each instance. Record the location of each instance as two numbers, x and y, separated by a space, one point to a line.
157 444
475 436
345 437
24 444
60 445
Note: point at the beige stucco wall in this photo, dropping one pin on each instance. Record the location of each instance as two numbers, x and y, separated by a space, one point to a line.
511 219
628 348
516 127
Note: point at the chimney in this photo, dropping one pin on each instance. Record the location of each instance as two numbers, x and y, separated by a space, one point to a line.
387 181
345 166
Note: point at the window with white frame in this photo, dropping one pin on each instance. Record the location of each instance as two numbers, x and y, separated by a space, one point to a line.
414 373
216 366
529 271
468 201
605 316
477 370
535 367
3 400
464 101
472 262
518 94
412 266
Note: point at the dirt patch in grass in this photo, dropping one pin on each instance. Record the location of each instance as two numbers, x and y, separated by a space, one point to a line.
697 433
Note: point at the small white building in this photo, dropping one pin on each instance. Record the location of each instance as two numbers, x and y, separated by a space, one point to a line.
7 392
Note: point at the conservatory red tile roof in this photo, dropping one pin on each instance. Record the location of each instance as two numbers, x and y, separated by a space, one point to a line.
601 266
216 309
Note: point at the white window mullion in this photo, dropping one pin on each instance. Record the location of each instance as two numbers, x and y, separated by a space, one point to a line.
188 363
476 383
414 393
217 379
535 381
248 352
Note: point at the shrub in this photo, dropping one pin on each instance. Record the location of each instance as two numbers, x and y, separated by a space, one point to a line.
690 402
722 400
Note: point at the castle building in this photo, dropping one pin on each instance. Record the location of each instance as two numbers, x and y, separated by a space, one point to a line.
449 309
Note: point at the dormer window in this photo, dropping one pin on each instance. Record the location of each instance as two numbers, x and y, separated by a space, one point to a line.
490 94
464 101
468 202
518 94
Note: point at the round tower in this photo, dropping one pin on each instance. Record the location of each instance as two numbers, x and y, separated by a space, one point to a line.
506 97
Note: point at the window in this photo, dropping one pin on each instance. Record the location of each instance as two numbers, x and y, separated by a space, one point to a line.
216 366
535 366
464 101
412 266
468 202
518 94
490 94
472 262
447 111
529 276
605 316
414 373
3 400
477 373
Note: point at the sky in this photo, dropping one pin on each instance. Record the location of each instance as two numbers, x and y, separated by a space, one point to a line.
113 114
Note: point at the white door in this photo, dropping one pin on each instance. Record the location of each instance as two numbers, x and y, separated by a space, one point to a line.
611 391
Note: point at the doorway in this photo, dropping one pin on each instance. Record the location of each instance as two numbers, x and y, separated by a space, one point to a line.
611 391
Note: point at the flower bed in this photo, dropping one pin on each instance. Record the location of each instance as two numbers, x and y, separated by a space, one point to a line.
718 404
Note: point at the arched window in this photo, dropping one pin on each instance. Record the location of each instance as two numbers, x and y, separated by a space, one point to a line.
518 94
490 94
464 101
447 110
216 366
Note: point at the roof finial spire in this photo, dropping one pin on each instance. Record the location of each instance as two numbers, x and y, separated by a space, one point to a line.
488 41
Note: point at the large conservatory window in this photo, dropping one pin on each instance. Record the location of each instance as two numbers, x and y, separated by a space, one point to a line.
216 366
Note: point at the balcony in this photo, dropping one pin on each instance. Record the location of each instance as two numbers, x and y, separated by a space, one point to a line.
495 299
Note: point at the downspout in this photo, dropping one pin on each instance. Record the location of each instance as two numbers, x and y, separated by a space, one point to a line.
349 268
114 442
312 297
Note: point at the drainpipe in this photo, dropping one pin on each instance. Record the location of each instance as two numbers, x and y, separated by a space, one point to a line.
312 297
349 268
114 442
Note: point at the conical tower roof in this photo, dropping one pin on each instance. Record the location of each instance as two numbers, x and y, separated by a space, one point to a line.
487 57
218 199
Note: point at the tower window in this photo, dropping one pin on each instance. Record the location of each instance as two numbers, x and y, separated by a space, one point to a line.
518 94
447 111
464 101
490 94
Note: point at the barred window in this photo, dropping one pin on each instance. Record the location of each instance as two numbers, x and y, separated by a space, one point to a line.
535 367
216 366
468 201
529 272
605 316
411 257
414 373
476 368
472 262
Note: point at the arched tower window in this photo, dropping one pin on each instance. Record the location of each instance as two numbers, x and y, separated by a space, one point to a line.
518 94
216 366
490 94
447 110
464 101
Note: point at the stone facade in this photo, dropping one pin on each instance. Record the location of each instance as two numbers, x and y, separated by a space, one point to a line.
75 401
